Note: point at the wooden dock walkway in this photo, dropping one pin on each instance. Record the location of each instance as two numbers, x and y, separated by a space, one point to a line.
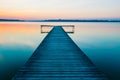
58 58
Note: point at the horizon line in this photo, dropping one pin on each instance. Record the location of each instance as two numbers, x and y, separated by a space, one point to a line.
63 19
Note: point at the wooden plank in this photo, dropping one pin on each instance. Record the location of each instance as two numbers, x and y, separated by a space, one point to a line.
59 58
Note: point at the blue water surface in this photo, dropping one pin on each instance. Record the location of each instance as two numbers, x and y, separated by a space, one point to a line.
98 40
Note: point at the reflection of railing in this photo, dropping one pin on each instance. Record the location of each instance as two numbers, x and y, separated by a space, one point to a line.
65 27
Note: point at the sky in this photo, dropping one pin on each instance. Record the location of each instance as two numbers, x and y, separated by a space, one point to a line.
59 9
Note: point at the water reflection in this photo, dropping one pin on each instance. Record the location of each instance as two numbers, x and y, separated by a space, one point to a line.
99 41
17 43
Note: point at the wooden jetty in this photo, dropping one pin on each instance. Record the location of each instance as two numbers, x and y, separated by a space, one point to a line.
59 58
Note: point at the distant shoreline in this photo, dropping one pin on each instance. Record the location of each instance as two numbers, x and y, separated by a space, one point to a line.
57 20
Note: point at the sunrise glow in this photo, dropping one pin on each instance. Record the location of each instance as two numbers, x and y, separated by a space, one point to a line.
59 9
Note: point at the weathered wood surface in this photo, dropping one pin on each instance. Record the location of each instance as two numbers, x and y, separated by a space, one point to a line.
59 58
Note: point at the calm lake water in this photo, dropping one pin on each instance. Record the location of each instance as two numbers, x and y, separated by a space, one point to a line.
99 41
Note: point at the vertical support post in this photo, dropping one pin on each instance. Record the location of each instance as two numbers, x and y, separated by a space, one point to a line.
41 28
73 29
